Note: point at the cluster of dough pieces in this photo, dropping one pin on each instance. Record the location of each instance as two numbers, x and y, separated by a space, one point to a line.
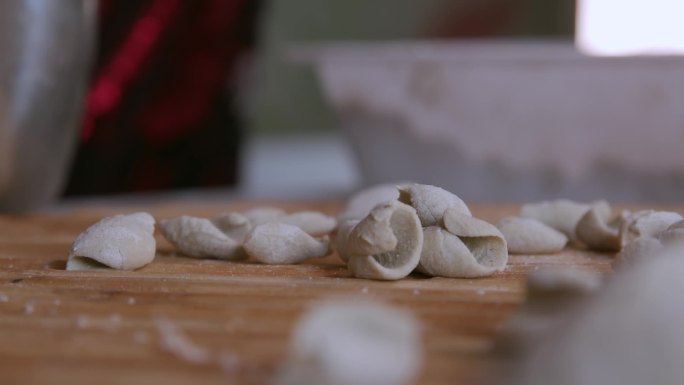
548 226
267 235
387 232
577 327
384 233
567 331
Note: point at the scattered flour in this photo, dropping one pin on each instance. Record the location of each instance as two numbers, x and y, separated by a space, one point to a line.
175 342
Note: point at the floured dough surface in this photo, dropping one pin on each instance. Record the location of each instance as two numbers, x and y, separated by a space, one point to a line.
124 242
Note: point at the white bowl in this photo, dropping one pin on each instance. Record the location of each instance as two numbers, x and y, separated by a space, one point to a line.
509 121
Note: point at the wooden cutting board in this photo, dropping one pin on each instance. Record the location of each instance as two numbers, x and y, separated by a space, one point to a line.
108 327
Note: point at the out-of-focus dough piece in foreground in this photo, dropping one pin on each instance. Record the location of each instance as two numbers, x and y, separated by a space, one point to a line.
353 343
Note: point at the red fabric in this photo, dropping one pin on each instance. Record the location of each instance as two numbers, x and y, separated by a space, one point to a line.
157 113
125 64
468 20
198 74
205 74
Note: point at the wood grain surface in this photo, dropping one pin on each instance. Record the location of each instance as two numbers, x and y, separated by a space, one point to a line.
104 327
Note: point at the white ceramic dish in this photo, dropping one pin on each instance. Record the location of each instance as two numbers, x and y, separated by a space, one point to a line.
509 121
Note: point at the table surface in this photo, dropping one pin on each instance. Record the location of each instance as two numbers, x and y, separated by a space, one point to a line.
63 327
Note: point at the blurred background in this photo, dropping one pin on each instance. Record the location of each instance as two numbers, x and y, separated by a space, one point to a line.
289 114
303 99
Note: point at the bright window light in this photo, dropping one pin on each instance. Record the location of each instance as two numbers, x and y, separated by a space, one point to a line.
630 27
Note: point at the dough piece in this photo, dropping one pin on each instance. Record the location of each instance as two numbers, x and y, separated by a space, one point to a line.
645 234
124 242
386 244
354 343
530 236
282 243
446 255
234 225
637 251
630 333
551 293
314 223
593 231
431 202
673 234
361 203
259 215
374 234
200 238
557 283
469 247
343 231
562 214
647 223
